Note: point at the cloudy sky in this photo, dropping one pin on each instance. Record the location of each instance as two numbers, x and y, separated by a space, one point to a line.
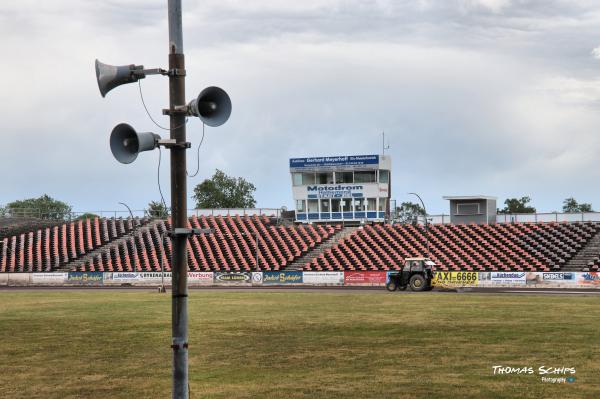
492 97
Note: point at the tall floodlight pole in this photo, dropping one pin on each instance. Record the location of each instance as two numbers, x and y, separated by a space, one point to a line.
179 302
426 225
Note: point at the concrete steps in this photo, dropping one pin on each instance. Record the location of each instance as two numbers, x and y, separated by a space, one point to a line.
580 261
299 263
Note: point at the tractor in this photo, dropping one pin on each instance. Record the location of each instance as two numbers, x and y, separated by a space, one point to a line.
416 273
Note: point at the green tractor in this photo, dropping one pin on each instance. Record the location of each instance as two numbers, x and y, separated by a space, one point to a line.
416 274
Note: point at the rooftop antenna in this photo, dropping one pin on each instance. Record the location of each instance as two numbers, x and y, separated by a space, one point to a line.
383 146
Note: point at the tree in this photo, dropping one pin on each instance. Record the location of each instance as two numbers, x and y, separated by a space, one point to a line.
570 205
222 191
3 211
87 215
44 207
408 212
516 205
157 209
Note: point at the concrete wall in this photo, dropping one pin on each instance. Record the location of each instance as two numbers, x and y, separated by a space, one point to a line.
464 219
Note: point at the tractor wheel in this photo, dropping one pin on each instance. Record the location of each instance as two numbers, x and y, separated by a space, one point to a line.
417 283
391 286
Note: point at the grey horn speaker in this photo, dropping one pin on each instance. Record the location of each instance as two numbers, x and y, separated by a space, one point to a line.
126 143
212 106
110 76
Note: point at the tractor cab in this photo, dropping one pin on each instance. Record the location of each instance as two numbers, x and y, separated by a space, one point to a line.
416 274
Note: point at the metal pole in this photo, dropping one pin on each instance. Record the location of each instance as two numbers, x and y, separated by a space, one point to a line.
179 329
426 225
257 265
131 234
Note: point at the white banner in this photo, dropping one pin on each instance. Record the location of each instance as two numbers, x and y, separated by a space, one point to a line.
323 278
499 278
257 278
199 278
49 278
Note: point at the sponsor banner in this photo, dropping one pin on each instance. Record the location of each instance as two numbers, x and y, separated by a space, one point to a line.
200 278
323 278
257 278
18 279
455 279
3 278
365 278
282 277
334 162
49 278
511 278
591 279
556 279
85 278
233 278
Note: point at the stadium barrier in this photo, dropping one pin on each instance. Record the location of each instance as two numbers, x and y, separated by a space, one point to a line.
441 279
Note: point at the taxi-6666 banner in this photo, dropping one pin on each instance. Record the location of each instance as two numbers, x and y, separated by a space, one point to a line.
455 279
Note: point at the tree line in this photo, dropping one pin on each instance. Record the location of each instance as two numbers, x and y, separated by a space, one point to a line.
218 191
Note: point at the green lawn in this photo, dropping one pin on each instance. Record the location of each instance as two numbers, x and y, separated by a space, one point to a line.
115 344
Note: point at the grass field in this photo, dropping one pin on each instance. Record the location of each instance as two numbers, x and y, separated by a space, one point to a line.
115 344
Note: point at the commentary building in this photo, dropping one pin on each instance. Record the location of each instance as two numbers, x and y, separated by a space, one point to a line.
349 188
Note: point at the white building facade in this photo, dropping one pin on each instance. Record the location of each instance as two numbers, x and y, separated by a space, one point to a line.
349 188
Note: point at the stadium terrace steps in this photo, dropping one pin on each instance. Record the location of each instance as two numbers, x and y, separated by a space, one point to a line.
105 251
307 258
236 242
499 247
54 247
588 258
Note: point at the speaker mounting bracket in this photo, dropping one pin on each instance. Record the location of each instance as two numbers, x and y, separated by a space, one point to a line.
176 72
181 231
178 109
171 143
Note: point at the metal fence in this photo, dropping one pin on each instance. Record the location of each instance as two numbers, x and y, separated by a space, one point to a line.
42 214
525 217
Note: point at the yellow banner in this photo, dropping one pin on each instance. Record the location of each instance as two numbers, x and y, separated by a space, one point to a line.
454 279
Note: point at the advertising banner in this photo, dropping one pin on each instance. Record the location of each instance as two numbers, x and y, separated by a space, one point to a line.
323 278
455 279
282 277
85 278
333 162
49 278
18 279
509 278
257 278
232 278
3 278
556 279
199 278
365 278
591 279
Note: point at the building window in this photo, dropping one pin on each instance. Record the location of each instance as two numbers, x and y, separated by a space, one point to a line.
467 209
344 177
347 205
308 178
383 204
335 204
297 179
313 206
384 176
301 206
325 205
365 177
359 204
325 178
371 204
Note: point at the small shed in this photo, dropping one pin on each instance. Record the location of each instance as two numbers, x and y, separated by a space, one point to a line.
479 209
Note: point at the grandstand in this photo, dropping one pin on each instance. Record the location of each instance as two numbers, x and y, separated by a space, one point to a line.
251 243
